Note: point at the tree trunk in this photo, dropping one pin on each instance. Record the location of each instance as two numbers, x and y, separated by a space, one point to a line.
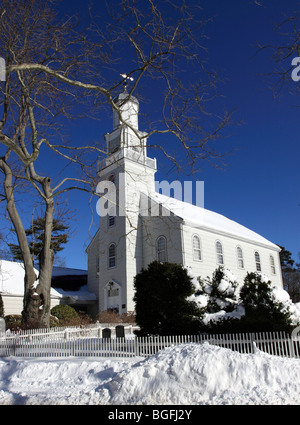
46 263
37 300
28 314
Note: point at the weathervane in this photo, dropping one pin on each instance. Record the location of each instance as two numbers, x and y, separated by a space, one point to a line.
126 78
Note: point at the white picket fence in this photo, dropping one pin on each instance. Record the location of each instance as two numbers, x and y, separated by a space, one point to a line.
276 343
85 330
88 342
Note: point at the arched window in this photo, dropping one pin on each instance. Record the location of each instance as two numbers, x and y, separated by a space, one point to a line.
272 264
257 261
112 255
161 249
219 250
240 257
197 248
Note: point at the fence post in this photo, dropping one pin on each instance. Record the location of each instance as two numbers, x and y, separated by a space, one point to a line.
135 346
291 342
251 337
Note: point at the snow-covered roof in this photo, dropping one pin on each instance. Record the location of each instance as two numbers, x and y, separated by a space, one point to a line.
83 294
65 271
12 282
209 220
12 278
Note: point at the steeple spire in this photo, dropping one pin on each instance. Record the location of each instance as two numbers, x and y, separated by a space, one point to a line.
126 140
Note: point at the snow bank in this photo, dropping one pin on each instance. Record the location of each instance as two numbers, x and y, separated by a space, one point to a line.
186 374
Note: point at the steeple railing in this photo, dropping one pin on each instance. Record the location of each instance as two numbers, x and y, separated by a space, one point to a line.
127 153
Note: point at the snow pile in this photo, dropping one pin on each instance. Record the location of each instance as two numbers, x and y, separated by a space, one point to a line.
186 374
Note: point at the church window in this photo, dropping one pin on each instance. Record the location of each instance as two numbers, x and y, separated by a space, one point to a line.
257 261
112 255
196 248
272 264
161 249
240 258
220 256
111 220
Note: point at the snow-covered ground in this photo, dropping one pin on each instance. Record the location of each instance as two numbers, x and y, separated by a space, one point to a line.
188 374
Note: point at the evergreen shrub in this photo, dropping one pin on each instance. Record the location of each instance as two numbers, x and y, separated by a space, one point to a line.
66 315
161 301
262 311
220 291
13 321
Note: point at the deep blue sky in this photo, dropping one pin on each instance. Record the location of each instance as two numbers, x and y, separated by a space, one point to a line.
259 186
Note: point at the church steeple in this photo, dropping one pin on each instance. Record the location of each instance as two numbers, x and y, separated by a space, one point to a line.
126 140
132 172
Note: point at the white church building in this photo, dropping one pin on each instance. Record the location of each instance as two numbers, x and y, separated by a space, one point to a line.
142 225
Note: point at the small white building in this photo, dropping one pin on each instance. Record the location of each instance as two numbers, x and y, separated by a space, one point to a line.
142 225
12 288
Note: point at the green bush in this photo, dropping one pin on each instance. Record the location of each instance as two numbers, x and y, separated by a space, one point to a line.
54 322
13 321
262 311
66 315
161 301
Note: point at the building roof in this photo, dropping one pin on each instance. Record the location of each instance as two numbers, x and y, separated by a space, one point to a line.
12 278
66 271
68 279
209 220
12 282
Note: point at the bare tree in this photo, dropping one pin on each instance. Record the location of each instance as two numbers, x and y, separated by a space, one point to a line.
61 68
285 49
